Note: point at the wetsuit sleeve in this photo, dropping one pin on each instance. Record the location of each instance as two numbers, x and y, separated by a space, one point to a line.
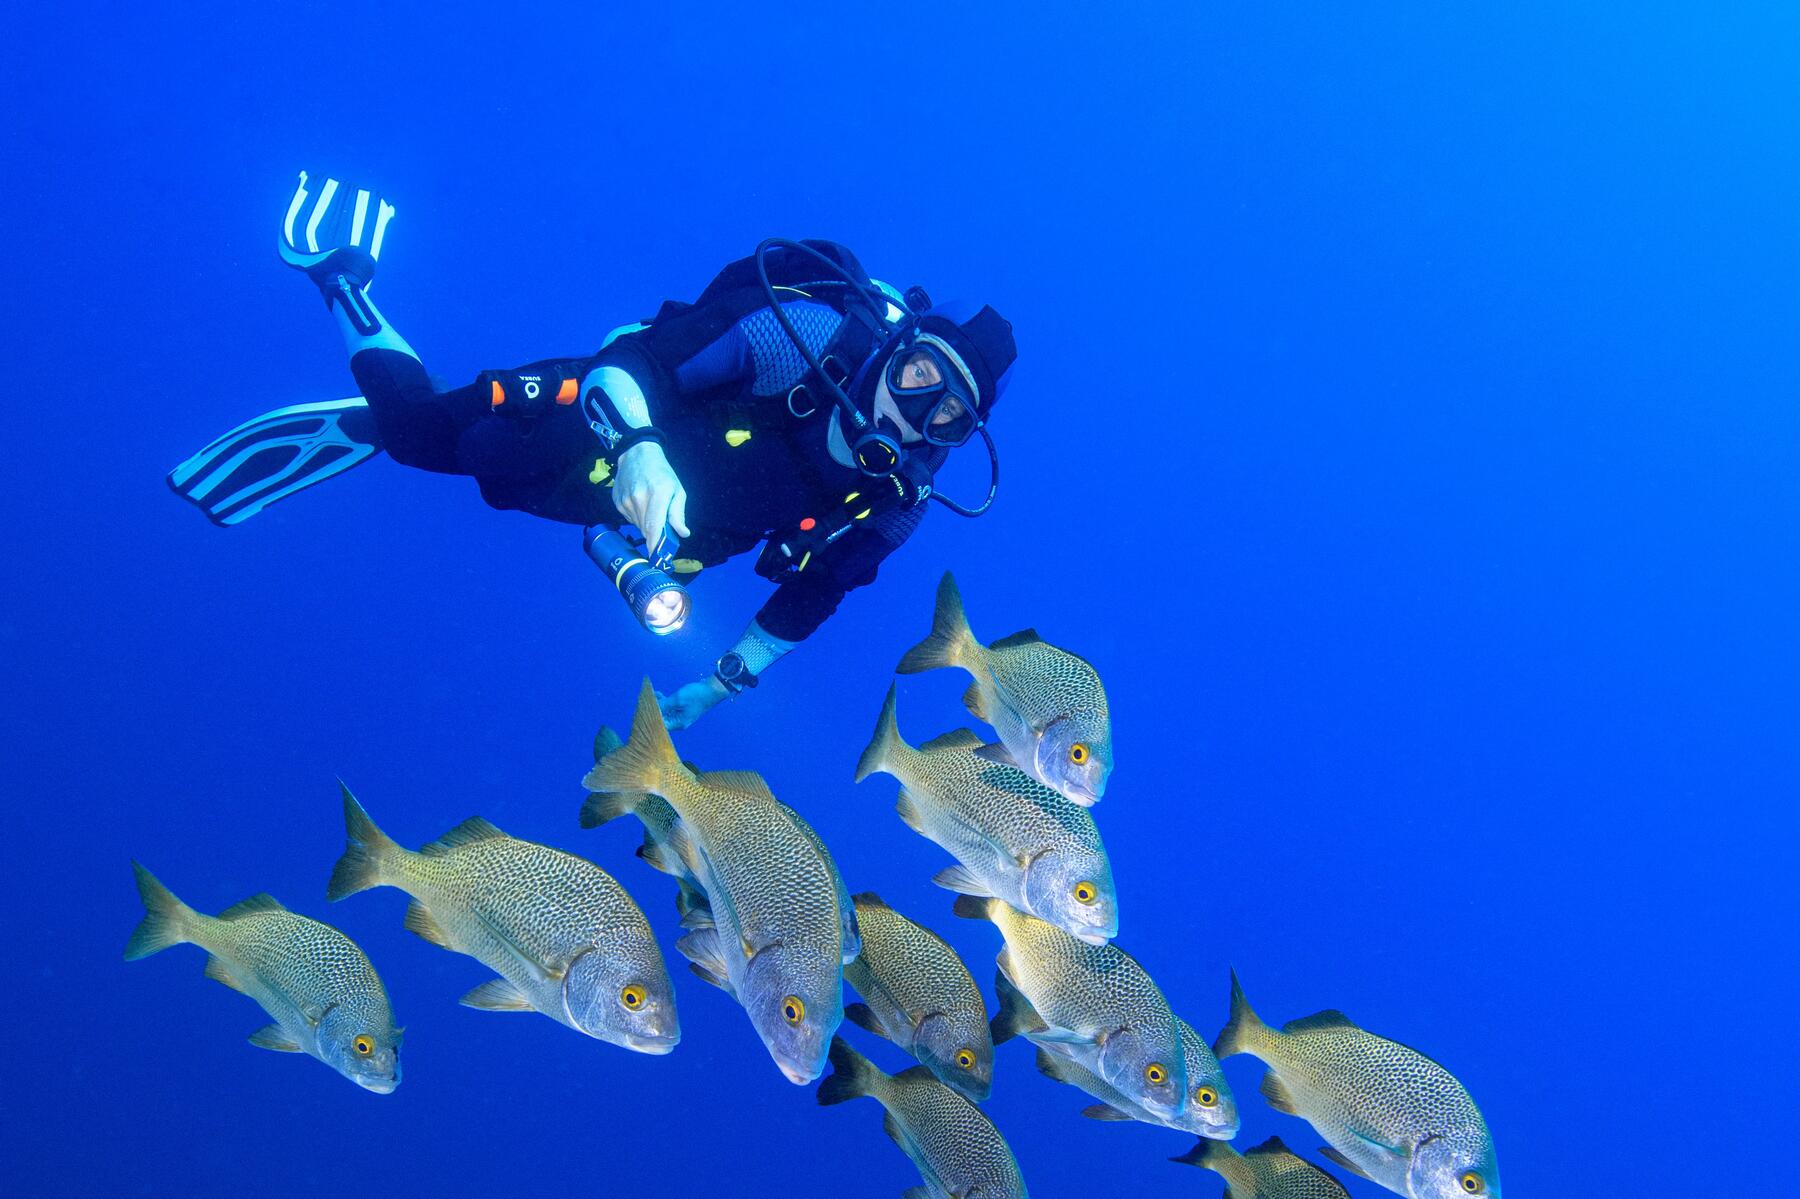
800 605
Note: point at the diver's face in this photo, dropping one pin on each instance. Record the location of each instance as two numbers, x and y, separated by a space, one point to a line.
917 370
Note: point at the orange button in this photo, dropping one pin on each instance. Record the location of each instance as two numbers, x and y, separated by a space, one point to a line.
807 525
498 393
566 393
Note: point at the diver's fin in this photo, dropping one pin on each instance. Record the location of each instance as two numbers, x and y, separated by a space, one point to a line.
337 228
275 455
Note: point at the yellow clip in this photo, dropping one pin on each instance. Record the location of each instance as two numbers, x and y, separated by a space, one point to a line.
805 558
851 496
736 437
862 514
601 473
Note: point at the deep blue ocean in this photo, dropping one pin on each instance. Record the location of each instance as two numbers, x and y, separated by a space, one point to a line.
1407 426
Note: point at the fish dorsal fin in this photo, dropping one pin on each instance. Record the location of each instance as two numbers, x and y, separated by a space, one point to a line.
260 902
1022 637
868 899
744 782
467 833
1329 1018
1273 1145
956 739
1332 1155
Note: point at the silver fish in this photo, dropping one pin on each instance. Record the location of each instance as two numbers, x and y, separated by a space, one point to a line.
1390 1113
920 996
1211 1110
1046 703
564 936
1095 1000
773 931
1269 1171
1015 839
318 986
957 1149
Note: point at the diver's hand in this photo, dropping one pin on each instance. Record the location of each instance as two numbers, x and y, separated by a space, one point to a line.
690 703
648 494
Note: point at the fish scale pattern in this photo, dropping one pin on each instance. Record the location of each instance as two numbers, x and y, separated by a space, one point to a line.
950 1134
907 968
553 904
303 959
1393 1091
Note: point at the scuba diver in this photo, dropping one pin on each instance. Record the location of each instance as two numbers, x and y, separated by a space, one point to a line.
797 404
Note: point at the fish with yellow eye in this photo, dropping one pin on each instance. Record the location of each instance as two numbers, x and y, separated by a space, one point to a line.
957 1149
1094 1002
564 937
770 932
1389 1113
1269 1171
1211 1110
919 995
1013 838
1046 703
314 982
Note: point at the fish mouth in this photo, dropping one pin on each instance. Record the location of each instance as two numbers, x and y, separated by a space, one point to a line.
656 1046
1090 936
799 1078
381 1086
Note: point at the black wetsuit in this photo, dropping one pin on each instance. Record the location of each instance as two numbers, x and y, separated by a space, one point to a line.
711 373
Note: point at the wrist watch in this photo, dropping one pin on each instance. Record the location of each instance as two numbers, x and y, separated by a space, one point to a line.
733 674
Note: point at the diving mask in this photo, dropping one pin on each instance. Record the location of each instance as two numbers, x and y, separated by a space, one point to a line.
934 391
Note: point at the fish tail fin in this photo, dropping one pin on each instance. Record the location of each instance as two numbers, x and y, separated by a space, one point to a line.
886 742
167 921
950 637
1244 1026
852 1077
645 760
366 847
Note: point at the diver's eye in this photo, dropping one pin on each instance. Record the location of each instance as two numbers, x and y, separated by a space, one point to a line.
793 1009
632 997
1206 1097
1472 1184
1078 753
1085 893
965 1060
1156 1074
363 1046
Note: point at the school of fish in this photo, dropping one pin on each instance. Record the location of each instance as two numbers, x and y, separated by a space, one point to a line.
767 917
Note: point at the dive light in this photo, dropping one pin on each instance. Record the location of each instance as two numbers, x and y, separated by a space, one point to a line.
659 602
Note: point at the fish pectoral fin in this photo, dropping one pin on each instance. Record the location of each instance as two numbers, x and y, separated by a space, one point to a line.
706 957
219 972
996 754
273 1036
864 1017
314 1012
1103 1111
419 920
961 880
1065 1036
537 967
1016 1015
1277 1095
497 995
1332 1155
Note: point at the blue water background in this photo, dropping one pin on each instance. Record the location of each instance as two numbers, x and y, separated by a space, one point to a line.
1407 425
